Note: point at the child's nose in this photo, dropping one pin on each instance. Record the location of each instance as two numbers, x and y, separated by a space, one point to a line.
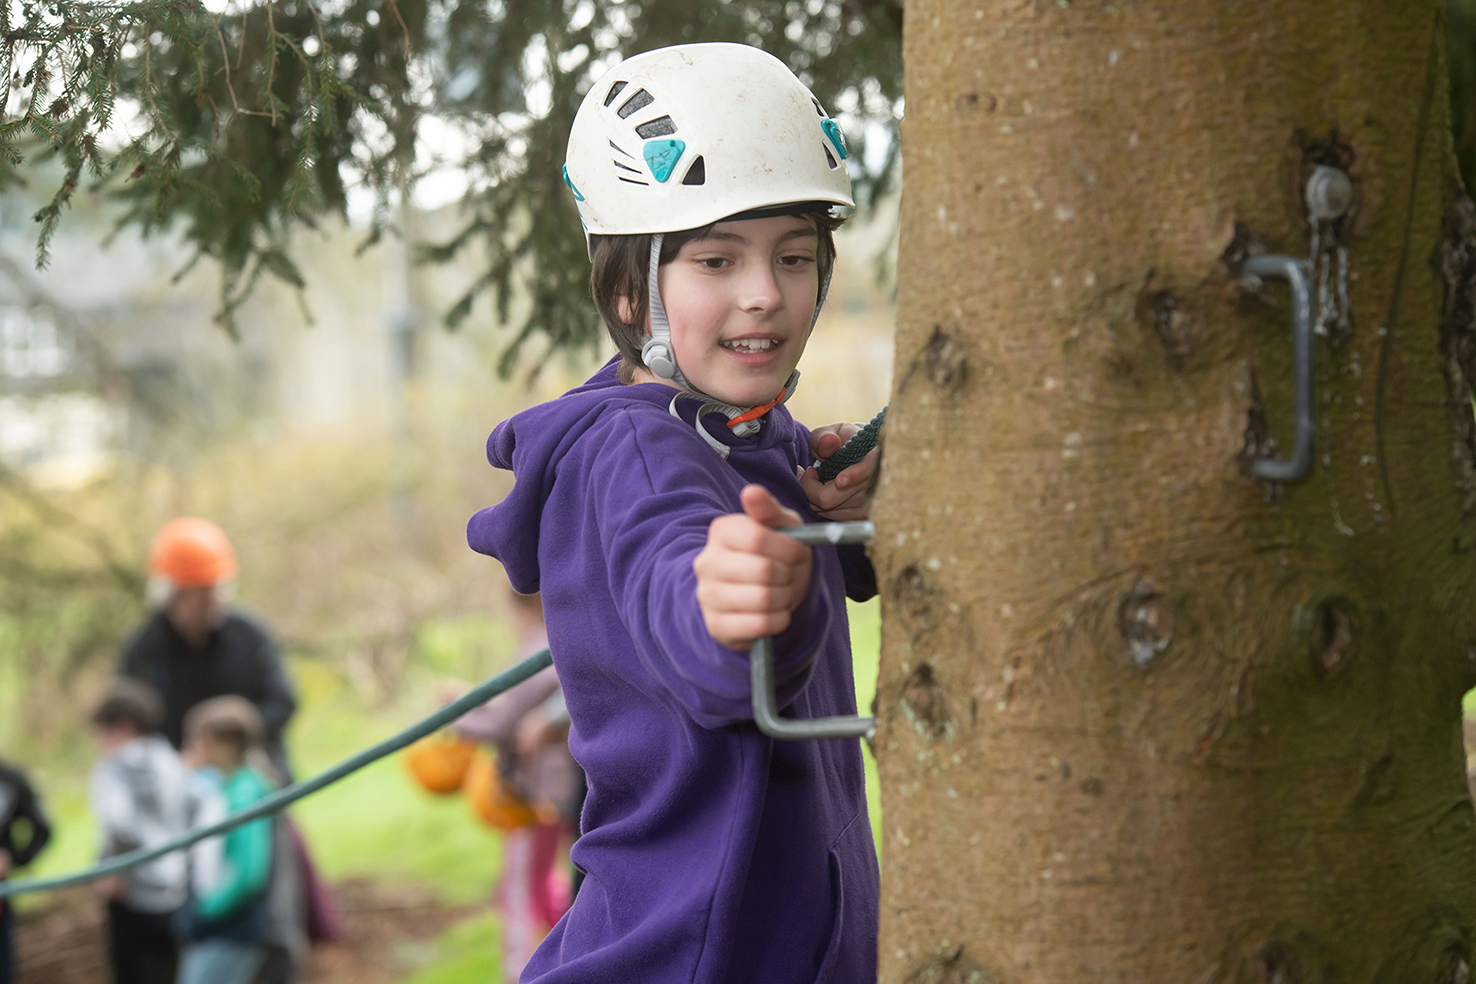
760 289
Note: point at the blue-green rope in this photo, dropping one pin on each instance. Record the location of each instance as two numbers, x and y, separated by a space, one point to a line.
291 794
858 447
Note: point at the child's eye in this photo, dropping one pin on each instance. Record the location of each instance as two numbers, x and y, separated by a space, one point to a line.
795 260
713 262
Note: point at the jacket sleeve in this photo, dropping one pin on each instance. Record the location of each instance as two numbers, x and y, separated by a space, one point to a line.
653 522
495 721
28 808
112 808
206 806
274 699
859 574
134 662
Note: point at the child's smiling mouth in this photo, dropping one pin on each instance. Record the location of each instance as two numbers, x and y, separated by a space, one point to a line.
749 346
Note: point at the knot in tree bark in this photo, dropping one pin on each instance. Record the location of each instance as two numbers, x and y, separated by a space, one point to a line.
1146 620
944 361
1334 637
925 703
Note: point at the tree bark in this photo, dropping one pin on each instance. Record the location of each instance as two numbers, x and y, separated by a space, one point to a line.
1142 716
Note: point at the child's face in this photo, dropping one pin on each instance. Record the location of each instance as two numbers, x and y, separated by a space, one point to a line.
111 737
201 750
740 302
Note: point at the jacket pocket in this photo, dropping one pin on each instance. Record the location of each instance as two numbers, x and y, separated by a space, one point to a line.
854 885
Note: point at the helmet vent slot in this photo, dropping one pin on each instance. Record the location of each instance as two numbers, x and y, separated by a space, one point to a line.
697 173
615 91
639 101
643 184
627 167
659 127
616 146
829 157
812 99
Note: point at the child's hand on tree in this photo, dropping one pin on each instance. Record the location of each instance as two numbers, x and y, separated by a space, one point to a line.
749 577
849 496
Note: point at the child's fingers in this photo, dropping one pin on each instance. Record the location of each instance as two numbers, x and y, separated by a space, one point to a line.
746 599
827 444
738 630
848 497
732 567
761 506
857 474
745 535
826 441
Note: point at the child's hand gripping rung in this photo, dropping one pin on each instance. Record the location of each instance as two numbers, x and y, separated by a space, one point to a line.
761 654
858 447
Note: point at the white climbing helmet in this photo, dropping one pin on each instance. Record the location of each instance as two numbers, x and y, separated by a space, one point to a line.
681 137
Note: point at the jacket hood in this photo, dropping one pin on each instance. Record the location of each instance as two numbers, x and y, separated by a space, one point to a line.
533 444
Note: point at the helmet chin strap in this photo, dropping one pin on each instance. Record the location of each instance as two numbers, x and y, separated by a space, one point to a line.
660 357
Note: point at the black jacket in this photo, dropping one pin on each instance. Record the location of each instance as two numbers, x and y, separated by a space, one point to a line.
18 803
240 658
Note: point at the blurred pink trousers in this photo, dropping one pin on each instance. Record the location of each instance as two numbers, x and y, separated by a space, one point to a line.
533 893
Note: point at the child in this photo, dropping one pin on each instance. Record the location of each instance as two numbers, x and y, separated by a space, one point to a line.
23 833
141 795
230 925
705 176
529 726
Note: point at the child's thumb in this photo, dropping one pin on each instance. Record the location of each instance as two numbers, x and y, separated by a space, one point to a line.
761 506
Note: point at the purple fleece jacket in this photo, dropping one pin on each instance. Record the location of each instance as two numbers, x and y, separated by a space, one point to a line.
714 855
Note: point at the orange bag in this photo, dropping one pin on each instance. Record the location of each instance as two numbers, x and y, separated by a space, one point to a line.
439 762
492 799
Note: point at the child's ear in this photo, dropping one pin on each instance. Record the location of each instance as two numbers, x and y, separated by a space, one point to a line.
624 309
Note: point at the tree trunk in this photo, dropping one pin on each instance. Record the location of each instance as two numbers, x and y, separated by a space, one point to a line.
1142 716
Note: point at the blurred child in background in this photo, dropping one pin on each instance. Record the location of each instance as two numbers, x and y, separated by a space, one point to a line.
529 727
142 795
228 924
23 833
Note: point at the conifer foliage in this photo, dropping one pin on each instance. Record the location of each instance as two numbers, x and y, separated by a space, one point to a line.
230 122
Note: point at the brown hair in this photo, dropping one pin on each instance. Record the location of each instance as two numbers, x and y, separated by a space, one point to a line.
622 263
132 703
230 719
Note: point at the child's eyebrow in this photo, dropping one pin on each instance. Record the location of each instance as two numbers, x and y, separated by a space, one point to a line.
734 237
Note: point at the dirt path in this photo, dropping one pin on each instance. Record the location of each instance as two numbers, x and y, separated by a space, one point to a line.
63 942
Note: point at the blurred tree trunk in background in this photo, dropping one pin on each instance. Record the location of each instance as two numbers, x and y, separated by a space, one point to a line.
1143 717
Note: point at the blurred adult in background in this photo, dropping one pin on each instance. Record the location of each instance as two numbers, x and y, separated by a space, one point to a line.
529 726
23 833
195 647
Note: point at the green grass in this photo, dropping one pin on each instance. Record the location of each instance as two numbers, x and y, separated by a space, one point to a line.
377 822
468 953
866 653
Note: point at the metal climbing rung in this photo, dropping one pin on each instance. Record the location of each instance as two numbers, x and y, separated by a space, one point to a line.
761 656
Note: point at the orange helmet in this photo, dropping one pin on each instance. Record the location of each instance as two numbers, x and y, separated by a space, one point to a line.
190 552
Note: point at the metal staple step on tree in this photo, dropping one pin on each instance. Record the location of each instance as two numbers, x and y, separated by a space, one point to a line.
291 794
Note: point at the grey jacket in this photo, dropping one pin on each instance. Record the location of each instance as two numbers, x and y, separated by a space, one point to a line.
142 795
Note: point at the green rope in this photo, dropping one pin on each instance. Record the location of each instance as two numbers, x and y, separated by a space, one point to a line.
291 794
858 447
